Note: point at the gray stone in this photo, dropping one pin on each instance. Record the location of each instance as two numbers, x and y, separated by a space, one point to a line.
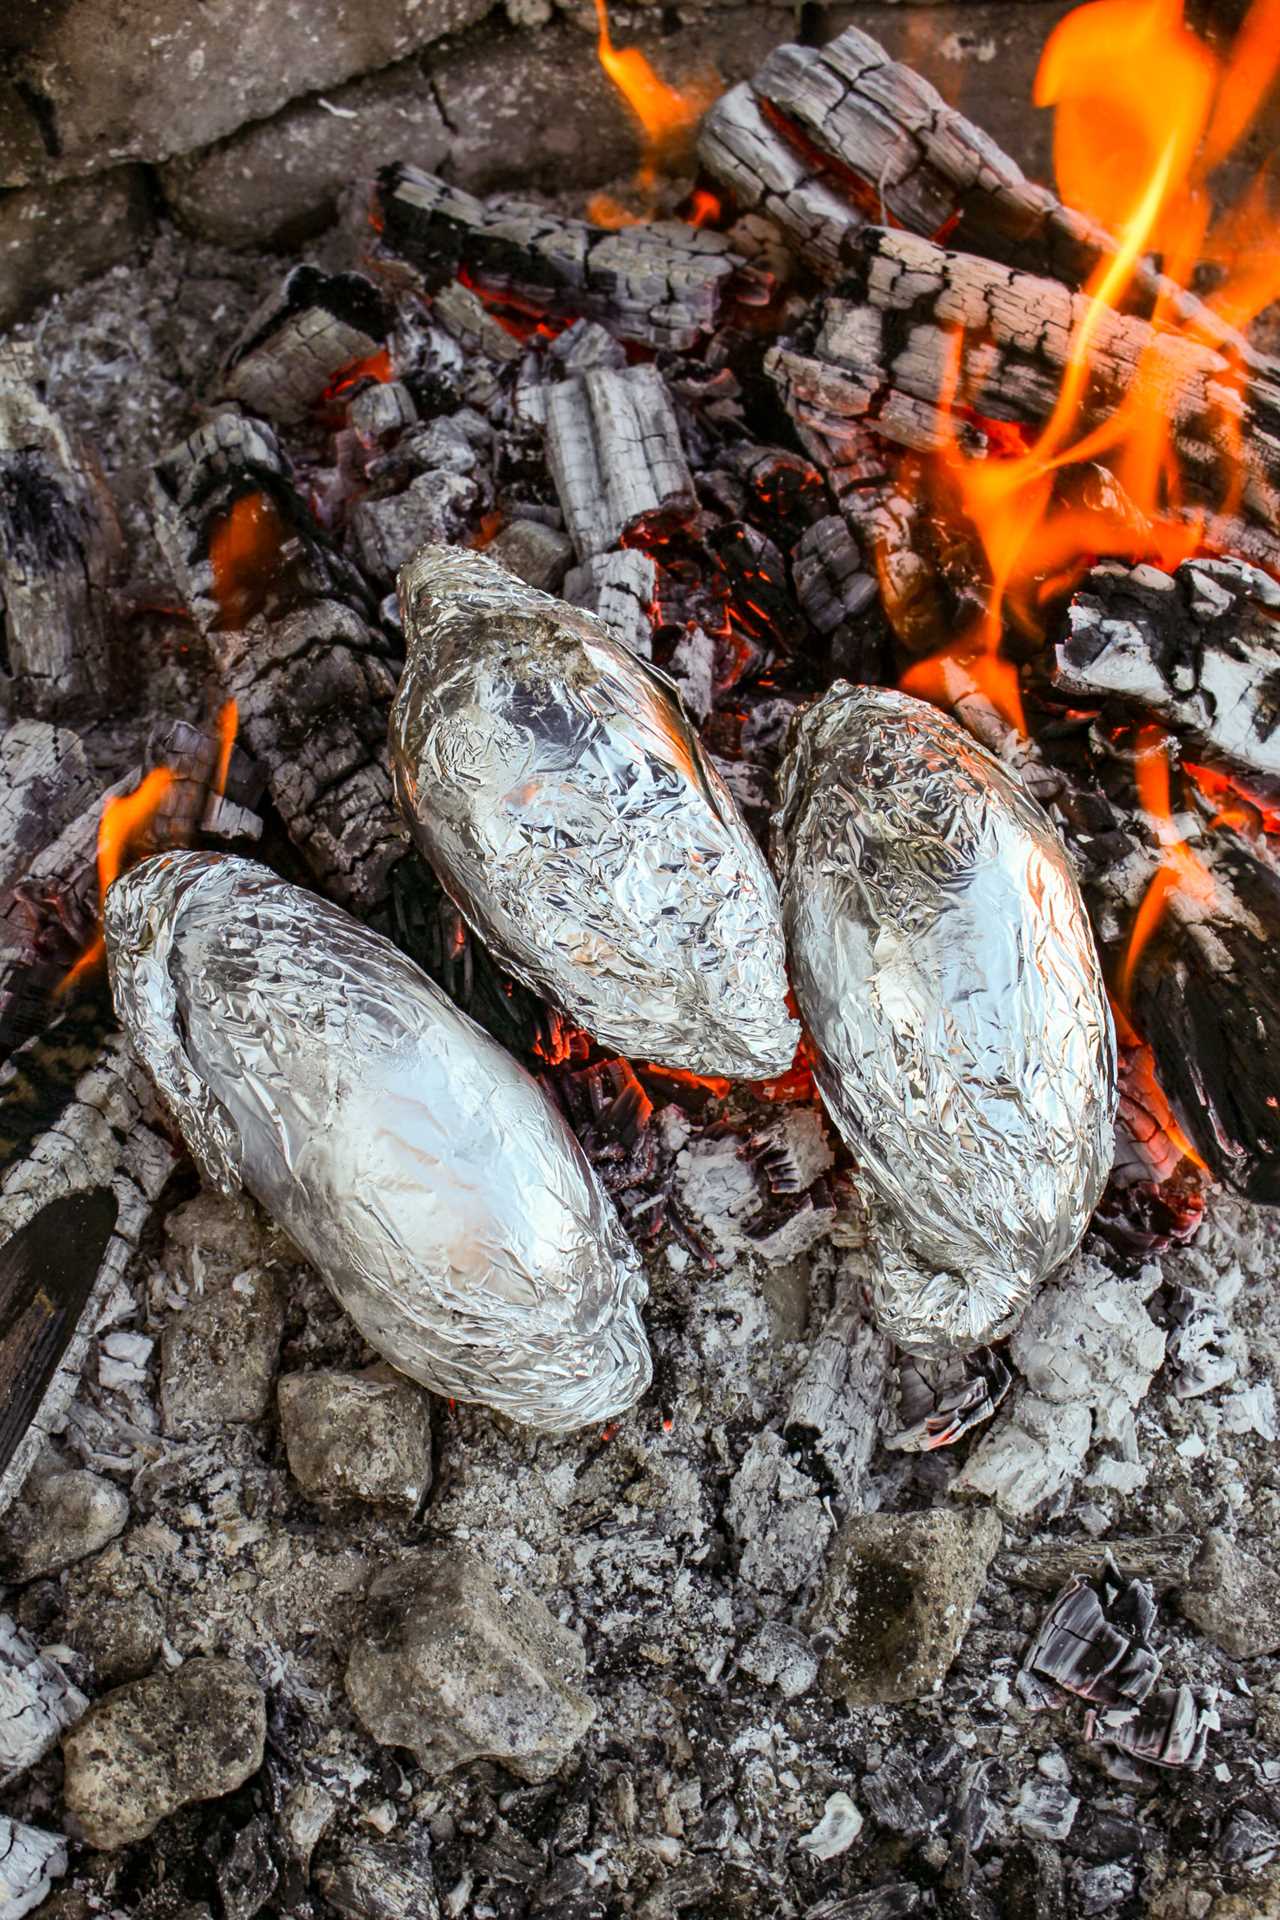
357 1436
52 237
165 76
218 1356
214 1237
59 1519
1234 1598
456 1668
156 1745
280 180
896 1599
536 554
112 1612
369 1881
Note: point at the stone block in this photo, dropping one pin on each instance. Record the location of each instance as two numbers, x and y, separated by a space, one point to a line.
53 237
357 1436
896 1599
1234 1598
457 1669
60 1518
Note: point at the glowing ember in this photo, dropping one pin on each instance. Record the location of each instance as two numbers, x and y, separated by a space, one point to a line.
376 367
1179 871
124 818
244 548
1143 112
1237 807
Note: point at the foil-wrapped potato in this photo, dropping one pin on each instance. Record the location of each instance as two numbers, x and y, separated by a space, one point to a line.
945 969
554 782
425 1175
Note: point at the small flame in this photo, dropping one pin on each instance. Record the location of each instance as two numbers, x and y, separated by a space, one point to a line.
124 817
1179 872
244 548
376 366
228 724
1143 111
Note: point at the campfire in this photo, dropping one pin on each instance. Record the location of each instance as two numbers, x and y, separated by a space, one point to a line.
716 746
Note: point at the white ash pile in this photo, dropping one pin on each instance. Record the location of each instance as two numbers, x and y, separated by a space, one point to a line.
811 1625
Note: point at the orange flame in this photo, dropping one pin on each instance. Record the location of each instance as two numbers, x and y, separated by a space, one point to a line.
667 116
244 548
124 816
228 726
1179 870
1143 112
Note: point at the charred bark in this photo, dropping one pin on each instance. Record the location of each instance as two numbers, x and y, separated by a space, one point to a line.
667 285
59 549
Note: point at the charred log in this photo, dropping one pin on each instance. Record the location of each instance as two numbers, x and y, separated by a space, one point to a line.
307 332
235 532
59 548
882 357
1196 649
613 447
621 587
314 692
667 285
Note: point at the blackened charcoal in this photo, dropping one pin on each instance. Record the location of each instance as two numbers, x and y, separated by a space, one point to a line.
832 584
614 449
1163 1559
666 284
966 1394
381 411
622 587
1170 1729
434 509
897 1901
307 331
1249 1840
1207 1000
1095 1642
1195 648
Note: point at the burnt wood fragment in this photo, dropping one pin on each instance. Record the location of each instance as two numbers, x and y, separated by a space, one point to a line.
60 547
1196 649
622 587
314 693
613 446
302 337
666 284
235 531
85 1164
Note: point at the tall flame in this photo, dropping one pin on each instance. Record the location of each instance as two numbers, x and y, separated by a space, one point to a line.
1143 112
668 118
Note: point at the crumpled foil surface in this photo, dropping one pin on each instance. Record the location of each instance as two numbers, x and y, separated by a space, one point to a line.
424 1174
946 972
554 782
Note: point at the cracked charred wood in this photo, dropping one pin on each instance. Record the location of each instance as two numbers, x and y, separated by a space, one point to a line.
1162 1559
314 693
834 1411
308 330
881 356
622 587
826 140
59 549
85 1164
30 1861
613 446
1195 648
666 285
237 534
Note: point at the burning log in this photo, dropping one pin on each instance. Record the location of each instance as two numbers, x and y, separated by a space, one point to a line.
620 587
314 690
556 786
304 336
307 1059
828 140
236 535
59 549
946 973
613 447
84 1169
882 356
665 284
1195 649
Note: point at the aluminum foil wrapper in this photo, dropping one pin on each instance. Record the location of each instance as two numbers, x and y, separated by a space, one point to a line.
554 782
946 971
424 1173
